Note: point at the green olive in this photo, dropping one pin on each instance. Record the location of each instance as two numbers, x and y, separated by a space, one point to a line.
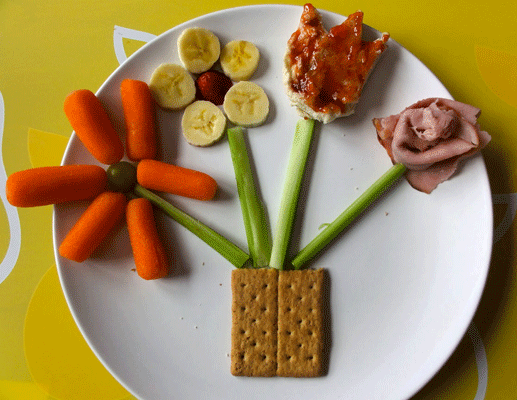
121 177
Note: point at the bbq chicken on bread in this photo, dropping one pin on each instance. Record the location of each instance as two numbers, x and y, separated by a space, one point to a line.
324 72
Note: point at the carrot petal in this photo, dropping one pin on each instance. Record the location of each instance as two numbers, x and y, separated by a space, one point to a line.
57 184
101 216
92 125
148 250
169 178
139 114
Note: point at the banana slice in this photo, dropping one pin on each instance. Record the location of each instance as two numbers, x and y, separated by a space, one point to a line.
198 49
246 104
239 60
203 123
172 86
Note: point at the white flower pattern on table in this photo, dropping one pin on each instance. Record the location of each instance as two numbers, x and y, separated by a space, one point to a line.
120 33
481 361
9 261
510 199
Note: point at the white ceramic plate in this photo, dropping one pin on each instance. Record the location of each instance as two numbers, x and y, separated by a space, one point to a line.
405 279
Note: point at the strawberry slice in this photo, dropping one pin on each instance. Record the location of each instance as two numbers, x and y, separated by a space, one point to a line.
212 86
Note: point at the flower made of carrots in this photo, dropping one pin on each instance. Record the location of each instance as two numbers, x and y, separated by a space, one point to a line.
122 190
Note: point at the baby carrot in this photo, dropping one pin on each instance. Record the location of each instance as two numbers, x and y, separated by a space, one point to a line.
138 104
101 216
93 126
51 185
148 250
163 177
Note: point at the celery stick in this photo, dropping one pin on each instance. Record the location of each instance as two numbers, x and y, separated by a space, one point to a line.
347 216
219 243
292 183
253 214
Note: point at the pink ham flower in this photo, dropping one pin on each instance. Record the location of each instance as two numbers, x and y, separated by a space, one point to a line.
430 138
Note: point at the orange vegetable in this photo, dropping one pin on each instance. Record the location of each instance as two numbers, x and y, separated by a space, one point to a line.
51 185
93 126
163 177
101 216
148 250
139 110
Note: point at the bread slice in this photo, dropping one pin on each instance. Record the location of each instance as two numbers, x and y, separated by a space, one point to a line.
324 72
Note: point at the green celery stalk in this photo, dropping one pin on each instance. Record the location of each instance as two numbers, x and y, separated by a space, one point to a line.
291 190
218 242
253 214
347 216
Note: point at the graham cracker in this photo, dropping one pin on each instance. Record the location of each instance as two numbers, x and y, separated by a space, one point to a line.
300 323
254 322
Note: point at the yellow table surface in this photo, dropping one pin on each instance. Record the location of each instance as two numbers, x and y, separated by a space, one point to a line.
49 48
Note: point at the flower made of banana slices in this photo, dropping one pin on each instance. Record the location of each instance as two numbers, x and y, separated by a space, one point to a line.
244 103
